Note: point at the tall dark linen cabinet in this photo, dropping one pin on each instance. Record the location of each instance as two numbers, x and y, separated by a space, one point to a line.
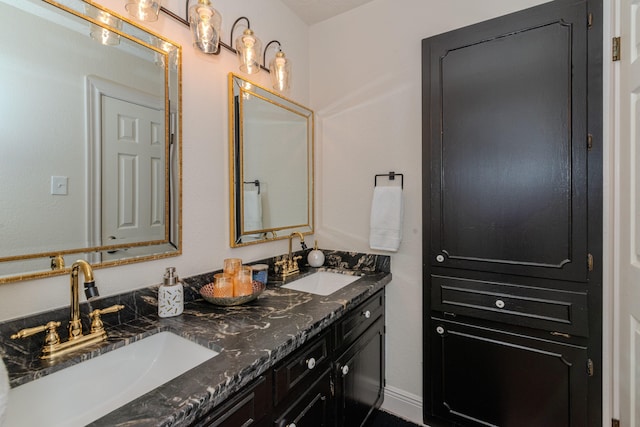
512 218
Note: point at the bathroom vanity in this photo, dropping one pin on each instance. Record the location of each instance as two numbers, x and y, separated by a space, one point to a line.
287 358
335 379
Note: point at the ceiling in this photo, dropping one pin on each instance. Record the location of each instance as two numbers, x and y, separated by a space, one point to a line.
313 11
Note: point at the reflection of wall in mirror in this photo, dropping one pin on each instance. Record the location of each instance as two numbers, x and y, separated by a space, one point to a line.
276 154
47 138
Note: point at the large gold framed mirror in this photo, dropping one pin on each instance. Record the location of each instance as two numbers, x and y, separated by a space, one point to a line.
271 164
91 139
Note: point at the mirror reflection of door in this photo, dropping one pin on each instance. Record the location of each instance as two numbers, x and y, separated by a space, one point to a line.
134 158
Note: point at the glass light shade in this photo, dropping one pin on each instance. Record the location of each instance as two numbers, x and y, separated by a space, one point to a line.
101 33
280 69
205 23
249 48
171 56
144 10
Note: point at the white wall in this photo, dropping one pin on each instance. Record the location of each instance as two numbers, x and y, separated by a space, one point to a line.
366 91
205 156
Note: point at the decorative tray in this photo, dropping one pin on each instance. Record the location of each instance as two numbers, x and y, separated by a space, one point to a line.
207 293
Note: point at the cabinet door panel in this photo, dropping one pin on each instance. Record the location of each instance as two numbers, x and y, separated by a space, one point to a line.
508 144
495 378
360 377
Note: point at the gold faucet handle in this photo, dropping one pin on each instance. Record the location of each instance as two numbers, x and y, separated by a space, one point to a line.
112 309
280 265
96 321
295 261
51 337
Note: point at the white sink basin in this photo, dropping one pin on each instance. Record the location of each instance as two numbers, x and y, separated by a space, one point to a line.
321 283
84 392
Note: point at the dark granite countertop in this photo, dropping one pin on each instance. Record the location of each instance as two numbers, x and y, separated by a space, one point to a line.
252 338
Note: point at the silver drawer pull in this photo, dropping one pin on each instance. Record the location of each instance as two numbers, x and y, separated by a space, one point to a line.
366 314
311 363
440 330
499 303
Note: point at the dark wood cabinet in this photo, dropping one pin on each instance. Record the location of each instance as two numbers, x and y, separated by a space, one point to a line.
249 408
312 407
301 368
512 220
359 374
336 379
496 377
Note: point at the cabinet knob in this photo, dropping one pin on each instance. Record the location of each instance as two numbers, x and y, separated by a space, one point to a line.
440 258
499 303
291 425
311 363
345 370
366 314
440 330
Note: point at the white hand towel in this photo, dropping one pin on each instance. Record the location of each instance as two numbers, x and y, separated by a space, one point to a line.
4 390
252 214
386 218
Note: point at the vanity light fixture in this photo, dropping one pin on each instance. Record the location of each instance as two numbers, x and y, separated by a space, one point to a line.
205 23
248 48
144 10
279 67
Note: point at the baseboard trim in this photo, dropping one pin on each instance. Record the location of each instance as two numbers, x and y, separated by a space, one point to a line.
403 404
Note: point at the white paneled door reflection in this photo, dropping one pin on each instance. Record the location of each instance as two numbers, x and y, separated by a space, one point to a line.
133 156
627 218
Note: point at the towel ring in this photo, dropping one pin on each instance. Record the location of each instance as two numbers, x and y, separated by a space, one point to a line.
392 176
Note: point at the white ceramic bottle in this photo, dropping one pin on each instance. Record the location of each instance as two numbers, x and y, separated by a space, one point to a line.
170 295
315 257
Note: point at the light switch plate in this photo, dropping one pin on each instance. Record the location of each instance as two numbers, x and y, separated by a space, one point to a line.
59 185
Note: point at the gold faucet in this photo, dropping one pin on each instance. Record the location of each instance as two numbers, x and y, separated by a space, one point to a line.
52 346
289 264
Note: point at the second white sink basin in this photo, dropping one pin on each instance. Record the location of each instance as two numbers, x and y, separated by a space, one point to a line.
321 283
84 392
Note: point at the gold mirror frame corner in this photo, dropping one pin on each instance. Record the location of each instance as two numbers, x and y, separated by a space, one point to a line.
235 173
171 246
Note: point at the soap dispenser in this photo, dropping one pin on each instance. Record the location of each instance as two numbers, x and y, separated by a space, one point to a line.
315 257
170 295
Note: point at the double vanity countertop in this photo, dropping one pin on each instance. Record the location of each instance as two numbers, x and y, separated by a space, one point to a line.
251 338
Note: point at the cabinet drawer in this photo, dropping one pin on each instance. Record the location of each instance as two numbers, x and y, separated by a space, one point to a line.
515 304
309 408
248 408
300 366
354 324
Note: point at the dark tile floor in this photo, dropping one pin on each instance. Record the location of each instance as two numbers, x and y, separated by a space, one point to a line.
384 419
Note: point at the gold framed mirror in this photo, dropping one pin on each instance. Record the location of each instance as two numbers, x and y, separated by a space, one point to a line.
91 147
271 146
